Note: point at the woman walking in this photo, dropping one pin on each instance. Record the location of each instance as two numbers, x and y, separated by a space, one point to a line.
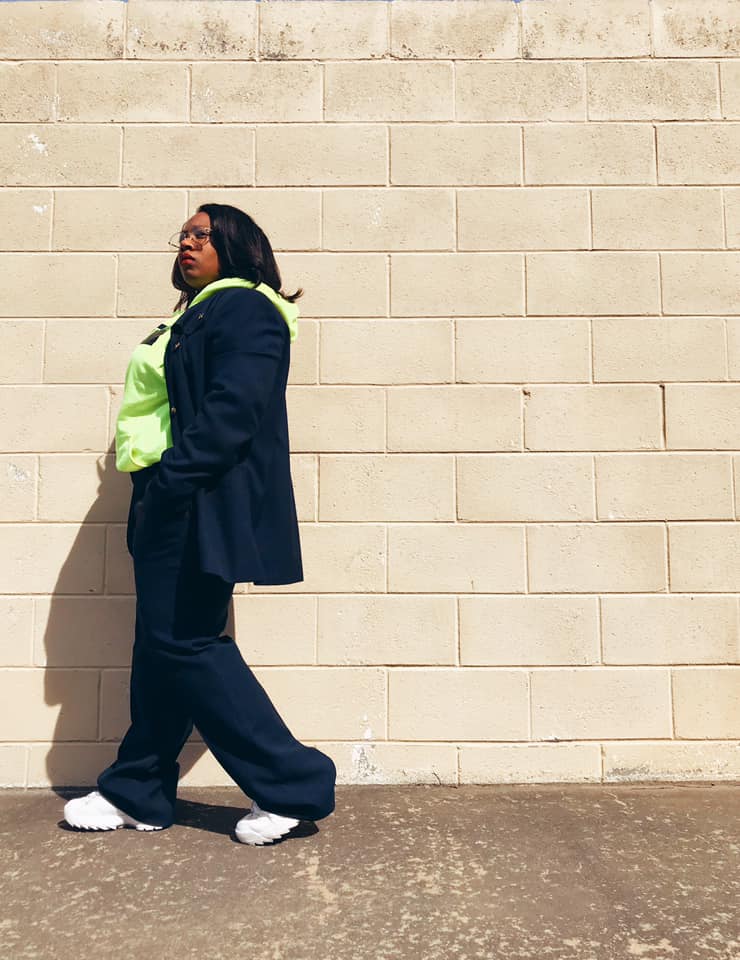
203 431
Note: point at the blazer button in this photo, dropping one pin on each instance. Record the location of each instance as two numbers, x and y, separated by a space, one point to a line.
173 409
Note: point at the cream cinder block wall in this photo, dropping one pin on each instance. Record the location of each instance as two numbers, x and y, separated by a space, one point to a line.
514 400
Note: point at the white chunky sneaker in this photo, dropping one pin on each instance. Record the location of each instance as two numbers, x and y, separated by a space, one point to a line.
94 812
259 826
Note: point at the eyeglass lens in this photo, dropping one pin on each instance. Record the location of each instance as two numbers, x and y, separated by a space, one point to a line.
199 234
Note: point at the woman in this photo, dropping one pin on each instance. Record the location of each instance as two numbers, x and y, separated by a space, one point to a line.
203 431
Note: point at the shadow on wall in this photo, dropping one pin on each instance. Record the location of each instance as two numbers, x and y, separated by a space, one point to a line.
86 626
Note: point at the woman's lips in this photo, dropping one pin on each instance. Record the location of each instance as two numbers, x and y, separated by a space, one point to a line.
185 260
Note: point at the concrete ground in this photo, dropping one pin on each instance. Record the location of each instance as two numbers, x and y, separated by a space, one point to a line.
583 872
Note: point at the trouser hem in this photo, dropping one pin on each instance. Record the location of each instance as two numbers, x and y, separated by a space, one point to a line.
152 821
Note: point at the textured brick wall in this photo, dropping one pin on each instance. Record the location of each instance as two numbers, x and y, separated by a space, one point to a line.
514 401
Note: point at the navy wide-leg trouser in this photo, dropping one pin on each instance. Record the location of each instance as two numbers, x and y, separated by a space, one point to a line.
185 672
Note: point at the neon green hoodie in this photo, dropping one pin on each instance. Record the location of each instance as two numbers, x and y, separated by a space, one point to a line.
143 430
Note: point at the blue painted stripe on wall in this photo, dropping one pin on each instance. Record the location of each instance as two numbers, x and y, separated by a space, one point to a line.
233 1
236 1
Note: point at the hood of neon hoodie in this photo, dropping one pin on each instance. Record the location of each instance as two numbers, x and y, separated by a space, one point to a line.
289 311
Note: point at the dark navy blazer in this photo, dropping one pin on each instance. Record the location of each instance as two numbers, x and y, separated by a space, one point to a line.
226 368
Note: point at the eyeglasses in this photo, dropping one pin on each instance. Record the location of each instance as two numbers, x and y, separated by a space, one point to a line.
200 236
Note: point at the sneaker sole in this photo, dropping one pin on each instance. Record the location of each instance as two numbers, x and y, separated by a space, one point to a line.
110 826
251 836
107 824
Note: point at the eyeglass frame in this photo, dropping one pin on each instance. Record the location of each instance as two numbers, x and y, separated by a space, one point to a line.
184 234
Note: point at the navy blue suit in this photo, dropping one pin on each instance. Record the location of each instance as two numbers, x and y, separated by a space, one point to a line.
216 509
226 367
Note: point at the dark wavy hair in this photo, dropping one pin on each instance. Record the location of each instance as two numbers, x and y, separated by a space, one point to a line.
243 251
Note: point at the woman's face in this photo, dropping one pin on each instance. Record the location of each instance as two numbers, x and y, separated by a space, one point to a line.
198 264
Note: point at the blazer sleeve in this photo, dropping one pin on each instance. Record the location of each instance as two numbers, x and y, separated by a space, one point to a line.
244 344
